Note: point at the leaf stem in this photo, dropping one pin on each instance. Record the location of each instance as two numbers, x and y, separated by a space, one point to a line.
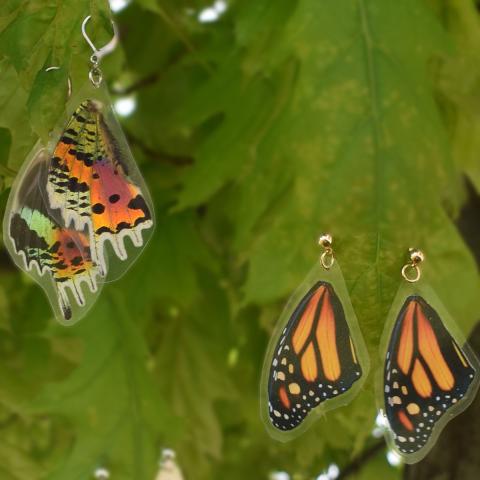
376 134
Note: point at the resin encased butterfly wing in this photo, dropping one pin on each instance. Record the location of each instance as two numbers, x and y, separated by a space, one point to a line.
427 377
93 180
56 256
314 360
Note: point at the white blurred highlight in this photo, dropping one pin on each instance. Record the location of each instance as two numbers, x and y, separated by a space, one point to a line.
118 5
169 469
394 458
279 476
101 474
381 424
331 473
213 13
125 106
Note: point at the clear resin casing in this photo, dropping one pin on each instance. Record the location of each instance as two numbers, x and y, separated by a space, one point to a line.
79 213
316 358
429 375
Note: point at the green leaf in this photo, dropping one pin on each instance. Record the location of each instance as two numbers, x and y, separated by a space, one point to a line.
352 134
459 82
14 116
109 400
40 30
22 466
333 126
50 88
191 356
24 39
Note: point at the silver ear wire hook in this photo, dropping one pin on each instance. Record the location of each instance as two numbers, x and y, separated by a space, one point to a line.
95 73
105 50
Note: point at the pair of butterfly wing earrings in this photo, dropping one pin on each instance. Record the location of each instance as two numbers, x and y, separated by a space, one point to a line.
79 212
317 360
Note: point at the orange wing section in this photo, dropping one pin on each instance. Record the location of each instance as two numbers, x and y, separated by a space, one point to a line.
67 155
421 381
309 364
402 416
282 393
430 351
327 343
405 349
305 324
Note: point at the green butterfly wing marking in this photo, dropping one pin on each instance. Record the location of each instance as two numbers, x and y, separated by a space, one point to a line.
56 256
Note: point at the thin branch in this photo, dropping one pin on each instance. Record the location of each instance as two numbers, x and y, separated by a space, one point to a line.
183 38
153 77
139 84
177 160
359 462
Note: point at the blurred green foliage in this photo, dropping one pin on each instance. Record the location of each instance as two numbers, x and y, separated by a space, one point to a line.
255 133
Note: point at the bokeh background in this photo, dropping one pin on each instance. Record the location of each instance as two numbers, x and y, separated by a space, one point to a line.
258 125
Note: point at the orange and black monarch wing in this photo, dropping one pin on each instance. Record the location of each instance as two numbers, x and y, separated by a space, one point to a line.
314 360
426 373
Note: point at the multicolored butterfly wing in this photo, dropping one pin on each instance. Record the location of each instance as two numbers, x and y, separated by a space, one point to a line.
426 374
89 181
45 246
315 359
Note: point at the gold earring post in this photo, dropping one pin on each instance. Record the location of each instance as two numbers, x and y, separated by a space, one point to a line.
327 259
416 258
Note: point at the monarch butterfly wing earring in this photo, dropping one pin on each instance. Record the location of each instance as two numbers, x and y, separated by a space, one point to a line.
316 358
94 180
430 374
56 256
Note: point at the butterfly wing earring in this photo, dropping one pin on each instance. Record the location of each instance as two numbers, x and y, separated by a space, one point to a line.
79 212
93 179
57 256
316 358
430 374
